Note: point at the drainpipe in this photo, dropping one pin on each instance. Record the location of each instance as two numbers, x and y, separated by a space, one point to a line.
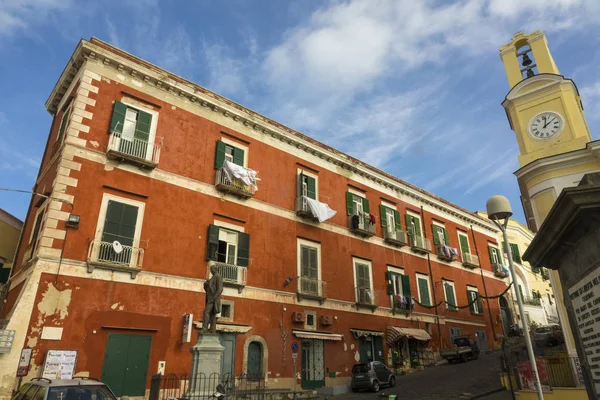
487 301
437 318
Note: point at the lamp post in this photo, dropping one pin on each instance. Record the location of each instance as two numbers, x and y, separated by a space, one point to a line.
499 211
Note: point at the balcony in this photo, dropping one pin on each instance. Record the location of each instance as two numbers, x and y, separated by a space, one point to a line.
396 237
499 270
312 289
366 298
470 260
361 225
445 253
545 274
419 244
232 185
533 301
135 151
103 255
231 274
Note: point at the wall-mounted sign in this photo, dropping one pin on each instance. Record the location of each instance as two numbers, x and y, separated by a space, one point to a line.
24 361
7 336
59 364
187 328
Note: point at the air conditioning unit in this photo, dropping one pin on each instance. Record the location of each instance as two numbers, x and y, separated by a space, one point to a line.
297 317
325 320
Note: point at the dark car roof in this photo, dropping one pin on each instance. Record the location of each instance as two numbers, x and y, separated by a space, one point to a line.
66 382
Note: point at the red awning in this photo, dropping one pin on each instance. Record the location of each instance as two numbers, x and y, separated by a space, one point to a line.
395 333
318 335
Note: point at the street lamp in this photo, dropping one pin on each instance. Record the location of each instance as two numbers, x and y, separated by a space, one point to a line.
499 211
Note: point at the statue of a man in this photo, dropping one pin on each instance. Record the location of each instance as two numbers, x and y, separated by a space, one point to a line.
213 288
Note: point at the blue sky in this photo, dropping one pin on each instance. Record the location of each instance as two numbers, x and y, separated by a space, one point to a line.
412 87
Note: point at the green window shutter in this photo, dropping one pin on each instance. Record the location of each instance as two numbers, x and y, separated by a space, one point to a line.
118 117
491 253
389 275
63 123
220 154
450 299
436 235
446 237
366 208
312 187
409 229
212 246
243 249
464 244
238 156
142 126
397 220
405 285
515 251
424 292
417 226
480 304
383 216
471 298
390 288
300 181
349 203
119 223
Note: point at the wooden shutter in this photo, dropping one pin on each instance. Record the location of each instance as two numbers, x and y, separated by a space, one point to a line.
366 207
479 303
118 117
238 156
383 216
311 187
515 252
119 223
220 154
349 203
409 228
63 123
446 237
300 181
471 297
424 291
405 285
313 263
464 243
390 278
142 126
436 235
491 252
243 249
450 299
397 220
362 276
417 226
212 245
304 261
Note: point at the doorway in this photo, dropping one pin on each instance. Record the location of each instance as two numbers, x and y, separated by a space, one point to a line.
370 348
125 366
228 363
255 357
313 364
481 340
505 314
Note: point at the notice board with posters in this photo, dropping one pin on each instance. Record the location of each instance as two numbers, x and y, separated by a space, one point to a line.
59 364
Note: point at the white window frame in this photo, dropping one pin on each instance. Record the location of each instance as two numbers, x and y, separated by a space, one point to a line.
308 243
232 143
358 260
398 271
418 217
476 304
426 277
498 255
153 124
231 305
312 175
442 238
106 197
227 231
306 325
227 225
459 234
451 283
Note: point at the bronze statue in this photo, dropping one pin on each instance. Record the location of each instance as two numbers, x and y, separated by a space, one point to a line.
213 288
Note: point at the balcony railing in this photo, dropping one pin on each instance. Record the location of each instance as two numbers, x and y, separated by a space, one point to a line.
303 210
419 244
499 270
366 298
136 151
233 186
533 301
396 237
103 255
311 289
445 253
231 274
361 225
470 260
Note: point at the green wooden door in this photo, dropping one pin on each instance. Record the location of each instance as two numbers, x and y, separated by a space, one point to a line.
125 366
254 360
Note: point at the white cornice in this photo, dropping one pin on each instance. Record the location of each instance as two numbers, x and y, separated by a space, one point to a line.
549 80
559 161
201 97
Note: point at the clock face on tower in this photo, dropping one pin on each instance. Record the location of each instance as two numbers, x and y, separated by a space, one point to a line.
546 125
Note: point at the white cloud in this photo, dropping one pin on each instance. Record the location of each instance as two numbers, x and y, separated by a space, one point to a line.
18 15
590 97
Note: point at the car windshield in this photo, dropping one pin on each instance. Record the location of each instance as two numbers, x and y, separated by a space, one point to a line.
360 369
544 329
462 342
87 392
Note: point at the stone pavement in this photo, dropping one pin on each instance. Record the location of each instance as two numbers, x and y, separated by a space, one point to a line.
446 381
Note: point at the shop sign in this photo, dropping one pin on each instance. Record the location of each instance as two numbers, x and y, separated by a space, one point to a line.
59 364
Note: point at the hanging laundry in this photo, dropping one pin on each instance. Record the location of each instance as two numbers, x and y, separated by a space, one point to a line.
372 219
355 221
321 210
454 252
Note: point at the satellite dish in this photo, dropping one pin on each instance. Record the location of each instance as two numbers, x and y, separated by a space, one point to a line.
117 247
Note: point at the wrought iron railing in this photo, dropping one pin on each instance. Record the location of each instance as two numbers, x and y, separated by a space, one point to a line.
134 148
100 252
366 296
396 236
420 243
233 185
533 301
470 260
230 273
311 287
172 386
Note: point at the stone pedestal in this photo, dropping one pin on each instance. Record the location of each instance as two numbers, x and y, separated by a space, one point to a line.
207 355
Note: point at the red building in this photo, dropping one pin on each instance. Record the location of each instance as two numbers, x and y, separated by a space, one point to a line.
157 164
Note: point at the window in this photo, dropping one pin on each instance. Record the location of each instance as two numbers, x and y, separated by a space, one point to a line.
514 248
226 310
495 255
309 271
307 185
390 218
549 299
311 320
362 279
475 302
450 295
424 290
413 225
463 241
36 229
228 151
40 394
440 235
134 129
63 124
356 204
398 283
228 246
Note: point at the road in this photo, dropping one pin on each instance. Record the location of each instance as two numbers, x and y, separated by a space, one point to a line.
446 381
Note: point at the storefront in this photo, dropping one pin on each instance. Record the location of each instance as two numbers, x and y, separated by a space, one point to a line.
408 347
370 345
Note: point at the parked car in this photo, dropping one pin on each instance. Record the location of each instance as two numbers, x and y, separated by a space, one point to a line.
371 376
463 349
64 389
550 335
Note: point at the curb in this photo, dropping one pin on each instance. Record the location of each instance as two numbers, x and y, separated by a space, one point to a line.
490 392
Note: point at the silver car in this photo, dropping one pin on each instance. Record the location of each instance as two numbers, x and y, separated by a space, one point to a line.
64 389
371 376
